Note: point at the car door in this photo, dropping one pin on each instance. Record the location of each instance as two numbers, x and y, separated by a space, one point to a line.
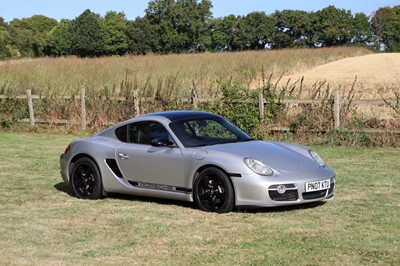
141 162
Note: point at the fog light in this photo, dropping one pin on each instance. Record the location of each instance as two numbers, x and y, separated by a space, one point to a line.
281 189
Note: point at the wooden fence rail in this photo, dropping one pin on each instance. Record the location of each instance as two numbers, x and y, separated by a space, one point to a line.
194 100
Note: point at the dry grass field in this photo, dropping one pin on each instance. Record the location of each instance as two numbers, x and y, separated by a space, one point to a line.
377 75
66 76
293 74
359 77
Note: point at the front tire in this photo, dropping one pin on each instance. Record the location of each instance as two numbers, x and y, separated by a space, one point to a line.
86 179
213 191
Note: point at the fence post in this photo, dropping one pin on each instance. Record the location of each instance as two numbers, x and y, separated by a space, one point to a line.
83 107
136 102
261 104
336 109
30 107
194 99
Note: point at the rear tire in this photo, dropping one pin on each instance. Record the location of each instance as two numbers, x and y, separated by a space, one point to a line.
213 191
86 179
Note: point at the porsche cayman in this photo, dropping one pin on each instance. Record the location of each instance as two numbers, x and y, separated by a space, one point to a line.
197 157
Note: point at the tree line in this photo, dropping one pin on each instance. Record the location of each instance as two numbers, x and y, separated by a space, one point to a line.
184 26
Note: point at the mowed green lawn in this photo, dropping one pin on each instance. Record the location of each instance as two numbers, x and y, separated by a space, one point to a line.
41 224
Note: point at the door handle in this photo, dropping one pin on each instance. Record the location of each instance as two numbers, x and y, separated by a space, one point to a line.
123 156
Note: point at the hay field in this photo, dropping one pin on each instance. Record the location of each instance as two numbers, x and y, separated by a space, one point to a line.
376 75
208 70
293 74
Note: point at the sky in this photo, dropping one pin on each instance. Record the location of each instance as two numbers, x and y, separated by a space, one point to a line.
59 9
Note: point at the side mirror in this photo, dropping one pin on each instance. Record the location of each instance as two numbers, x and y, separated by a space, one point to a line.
160 142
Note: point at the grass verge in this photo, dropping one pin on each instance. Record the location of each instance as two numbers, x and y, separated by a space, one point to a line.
40 223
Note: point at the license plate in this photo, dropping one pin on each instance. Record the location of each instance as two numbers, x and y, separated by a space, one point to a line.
318 185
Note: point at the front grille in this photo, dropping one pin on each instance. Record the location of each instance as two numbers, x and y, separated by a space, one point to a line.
331 188
289 195
314 194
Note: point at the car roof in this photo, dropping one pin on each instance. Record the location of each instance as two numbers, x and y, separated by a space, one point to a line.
179 115
168 115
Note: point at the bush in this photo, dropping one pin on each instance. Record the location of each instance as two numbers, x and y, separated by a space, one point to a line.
12 110
241 107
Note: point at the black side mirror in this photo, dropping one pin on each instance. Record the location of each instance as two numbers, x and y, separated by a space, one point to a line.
160 142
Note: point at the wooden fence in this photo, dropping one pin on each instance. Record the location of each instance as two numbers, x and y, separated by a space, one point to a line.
194 100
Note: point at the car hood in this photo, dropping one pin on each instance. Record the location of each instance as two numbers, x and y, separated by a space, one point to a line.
273 154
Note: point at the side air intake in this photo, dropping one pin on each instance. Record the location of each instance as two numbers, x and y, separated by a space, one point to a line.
112 164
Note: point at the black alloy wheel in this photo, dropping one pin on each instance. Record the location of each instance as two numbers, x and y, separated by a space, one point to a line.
86 179
213 191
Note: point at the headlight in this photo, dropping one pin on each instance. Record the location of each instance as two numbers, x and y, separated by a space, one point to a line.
258 167
317 158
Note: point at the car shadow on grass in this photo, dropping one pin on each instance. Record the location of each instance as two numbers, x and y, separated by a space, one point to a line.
65 188
159 201
303 206
62 187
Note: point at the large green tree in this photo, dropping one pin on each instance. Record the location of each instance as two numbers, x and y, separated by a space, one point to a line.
222 32
29 35
60 39
115 26
88 35
162 15
361 31
182 25
386 25
5 40
142 37
293 29
253 31
193 20
332 26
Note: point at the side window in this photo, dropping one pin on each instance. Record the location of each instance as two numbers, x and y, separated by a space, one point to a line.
122 133
141 132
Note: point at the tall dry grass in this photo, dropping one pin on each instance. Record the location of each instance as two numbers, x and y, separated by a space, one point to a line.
169 78
65 76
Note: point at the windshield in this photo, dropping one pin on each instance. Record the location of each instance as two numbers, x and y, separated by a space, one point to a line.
204 131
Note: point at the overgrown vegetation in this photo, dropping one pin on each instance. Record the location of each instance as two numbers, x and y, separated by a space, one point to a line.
42 224
227 84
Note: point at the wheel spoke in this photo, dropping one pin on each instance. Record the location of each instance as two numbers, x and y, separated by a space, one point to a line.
80 171
205 182
87 172
203 196
220 191
213 204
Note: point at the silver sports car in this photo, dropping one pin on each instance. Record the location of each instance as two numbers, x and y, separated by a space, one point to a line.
194 156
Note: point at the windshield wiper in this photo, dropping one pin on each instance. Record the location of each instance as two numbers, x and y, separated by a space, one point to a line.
216 143
245 140
223 142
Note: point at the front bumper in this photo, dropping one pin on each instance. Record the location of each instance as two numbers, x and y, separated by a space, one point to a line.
64 168
266 191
